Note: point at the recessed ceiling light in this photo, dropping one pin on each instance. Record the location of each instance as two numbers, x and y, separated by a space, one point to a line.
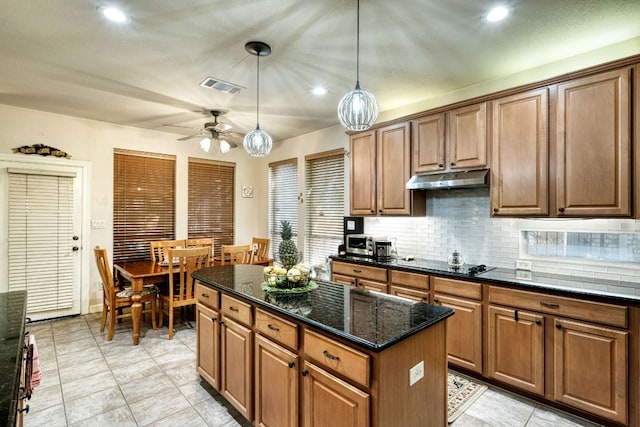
113 14
498 13
319 91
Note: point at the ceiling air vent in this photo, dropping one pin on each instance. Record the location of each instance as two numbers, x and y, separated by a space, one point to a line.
221 85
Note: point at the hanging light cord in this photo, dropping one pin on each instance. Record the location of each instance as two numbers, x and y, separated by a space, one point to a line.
258 94
358 46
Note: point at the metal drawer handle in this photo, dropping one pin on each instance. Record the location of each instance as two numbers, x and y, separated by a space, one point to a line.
25 409
232 308
330 356
273 328
205 295
357 271
549 304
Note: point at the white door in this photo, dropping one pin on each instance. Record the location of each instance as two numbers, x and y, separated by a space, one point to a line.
40 226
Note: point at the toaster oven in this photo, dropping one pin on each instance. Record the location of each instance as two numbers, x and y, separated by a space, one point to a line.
359 244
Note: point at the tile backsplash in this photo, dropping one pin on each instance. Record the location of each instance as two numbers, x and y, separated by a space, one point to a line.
459 219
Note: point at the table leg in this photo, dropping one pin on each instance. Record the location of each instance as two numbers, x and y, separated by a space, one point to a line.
136 309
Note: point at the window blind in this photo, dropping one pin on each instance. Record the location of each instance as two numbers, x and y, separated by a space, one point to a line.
143 202
41 238
283 200
324 205
211 201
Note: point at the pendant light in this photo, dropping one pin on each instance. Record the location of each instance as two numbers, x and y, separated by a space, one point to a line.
258 143
358 109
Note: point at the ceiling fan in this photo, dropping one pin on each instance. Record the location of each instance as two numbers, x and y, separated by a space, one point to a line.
219 133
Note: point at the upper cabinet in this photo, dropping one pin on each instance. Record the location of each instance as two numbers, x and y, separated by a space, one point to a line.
452 140
520 159
593 134
380 168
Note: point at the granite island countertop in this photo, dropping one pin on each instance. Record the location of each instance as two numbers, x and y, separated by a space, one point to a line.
370 319
619 291
12 318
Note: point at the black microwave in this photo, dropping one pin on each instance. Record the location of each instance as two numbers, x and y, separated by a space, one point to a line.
359 244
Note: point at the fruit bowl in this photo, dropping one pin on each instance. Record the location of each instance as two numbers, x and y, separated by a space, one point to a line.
277 276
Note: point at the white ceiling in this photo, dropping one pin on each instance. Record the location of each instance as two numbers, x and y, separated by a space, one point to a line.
62 56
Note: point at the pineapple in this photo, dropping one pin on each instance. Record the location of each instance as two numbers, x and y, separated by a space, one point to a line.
288 251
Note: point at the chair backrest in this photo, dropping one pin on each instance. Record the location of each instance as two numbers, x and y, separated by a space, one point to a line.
236 254
108 287
261 247
186 262
159 249
203 242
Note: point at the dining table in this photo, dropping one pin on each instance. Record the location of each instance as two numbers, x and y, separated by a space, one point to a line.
140 273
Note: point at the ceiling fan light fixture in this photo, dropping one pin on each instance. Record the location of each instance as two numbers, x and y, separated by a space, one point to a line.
205 144
358 109
224 146
113 14
257 143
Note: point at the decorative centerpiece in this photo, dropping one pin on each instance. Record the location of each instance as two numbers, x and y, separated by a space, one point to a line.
290 276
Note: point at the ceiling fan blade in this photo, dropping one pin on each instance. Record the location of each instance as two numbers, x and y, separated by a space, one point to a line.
222 127
184 138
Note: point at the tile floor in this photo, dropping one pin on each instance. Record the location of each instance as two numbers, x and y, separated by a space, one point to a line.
89 381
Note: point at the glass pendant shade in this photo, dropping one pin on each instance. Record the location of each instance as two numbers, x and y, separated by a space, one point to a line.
358 109
257 143
224 146
205 144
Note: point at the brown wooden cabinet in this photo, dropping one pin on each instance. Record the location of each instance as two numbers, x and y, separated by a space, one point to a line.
451 140
516 348
520 160
362 276
591 366
276 385
380 167
237 365
208 344
408 285
329 401
593 145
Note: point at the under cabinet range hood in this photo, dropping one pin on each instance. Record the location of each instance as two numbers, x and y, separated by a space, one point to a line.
449 180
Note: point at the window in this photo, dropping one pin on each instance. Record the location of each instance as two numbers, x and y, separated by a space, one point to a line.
324 205
143 202
211 201
283 200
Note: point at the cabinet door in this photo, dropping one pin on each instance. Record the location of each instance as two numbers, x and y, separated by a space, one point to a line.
344 280
464 332
520 160
363 173
276 385
329 401
208 344
409 293
394 169
468 137
371 285
516 348
593 145
591 366
236 369
428 142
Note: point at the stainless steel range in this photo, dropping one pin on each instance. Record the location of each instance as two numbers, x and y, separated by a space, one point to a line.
466 270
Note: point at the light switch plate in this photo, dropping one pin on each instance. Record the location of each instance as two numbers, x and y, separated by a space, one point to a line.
523 265
97 224
416 373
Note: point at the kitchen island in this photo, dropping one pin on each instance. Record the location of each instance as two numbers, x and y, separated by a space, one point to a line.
336 355
12 329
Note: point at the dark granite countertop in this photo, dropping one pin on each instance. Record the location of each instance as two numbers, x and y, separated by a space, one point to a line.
370 319
623 292
12 317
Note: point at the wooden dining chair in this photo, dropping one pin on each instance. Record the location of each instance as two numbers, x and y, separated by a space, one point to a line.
236 254
114 298
260 248
181 292
159 249
207 242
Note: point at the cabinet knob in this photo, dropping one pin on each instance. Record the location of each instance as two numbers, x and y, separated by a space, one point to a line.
25 409
292 364
213 319
495 209
453 163
380 210
561 210
222 322
538 322
558 326
440 165
436 300
304 372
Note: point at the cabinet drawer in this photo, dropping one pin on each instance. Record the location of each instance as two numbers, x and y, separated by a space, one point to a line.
278 329
609 314
413 280
344 280
337 357
360 271
207 296
457 287
409 293
236 309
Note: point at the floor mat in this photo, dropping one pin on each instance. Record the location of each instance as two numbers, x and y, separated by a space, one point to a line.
462 392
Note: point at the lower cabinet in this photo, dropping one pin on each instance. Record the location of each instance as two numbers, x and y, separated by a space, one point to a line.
208 344
329 401
236 365
361 276
408 285
276 385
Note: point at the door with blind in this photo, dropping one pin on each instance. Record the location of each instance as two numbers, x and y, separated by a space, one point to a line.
41 223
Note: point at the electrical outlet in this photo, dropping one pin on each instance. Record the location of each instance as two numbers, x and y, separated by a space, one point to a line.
523 265
416 373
